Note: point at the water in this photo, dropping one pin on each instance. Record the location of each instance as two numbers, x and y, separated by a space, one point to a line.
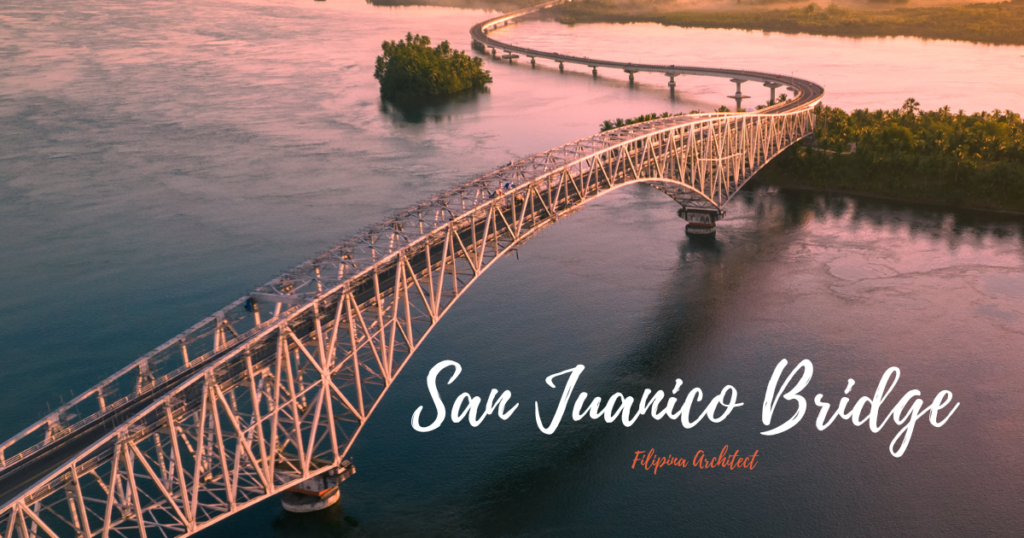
159 159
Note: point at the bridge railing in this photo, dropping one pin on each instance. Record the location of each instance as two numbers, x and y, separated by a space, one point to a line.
215 334
275 387
183 353
286 402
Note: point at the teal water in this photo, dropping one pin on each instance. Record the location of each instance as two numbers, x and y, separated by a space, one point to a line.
159 160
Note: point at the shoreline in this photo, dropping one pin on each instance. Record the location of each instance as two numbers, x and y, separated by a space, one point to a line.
756 182
918 162
986 24
995 24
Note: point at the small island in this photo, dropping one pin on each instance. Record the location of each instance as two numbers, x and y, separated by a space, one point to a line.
411 69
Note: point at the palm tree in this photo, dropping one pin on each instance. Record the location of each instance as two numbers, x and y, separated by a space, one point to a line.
910 106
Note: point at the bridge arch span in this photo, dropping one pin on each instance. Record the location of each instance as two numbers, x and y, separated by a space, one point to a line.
273 390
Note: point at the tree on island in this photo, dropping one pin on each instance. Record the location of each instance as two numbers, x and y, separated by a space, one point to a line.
411 69
939 156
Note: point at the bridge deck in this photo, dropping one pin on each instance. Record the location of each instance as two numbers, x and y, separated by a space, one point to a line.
807 91
469 226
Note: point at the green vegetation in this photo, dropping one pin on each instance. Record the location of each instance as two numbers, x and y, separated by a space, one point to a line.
608 125
781 98
974 161
411 69
998 23
500 5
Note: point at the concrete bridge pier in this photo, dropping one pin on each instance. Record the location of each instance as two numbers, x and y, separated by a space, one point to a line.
772 85
671 82
631 73
594 67
494 52
561 67
700 223
509 56
318 492
739 97
533 61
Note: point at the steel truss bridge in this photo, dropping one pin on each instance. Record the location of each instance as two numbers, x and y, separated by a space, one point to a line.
272 390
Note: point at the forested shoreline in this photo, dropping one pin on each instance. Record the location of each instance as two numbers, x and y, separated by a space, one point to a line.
940 157
995 23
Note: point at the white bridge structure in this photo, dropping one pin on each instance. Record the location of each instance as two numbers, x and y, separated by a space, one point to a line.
269 393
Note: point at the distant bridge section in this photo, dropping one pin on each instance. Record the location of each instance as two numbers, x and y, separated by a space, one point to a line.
806 91
269 394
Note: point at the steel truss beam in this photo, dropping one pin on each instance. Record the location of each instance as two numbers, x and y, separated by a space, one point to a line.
275 388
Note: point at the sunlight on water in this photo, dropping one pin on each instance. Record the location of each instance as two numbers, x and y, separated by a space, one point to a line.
856 73
159 159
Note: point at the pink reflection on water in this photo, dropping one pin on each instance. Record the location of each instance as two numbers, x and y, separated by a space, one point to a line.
856 73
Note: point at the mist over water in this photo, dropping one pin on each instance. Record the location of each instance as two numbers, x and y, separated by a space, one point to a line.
160 159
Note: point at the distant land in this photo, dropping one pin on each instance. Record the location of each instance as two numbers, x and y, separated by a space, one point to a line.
500 5
942 157
998 23
975 161
994 23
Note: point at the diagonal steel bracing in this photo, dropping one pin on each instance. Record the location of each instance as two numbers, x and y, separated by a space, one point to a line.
275 388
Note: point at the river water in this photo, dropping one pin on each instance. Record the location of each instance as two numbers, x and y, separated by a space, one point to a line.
159 159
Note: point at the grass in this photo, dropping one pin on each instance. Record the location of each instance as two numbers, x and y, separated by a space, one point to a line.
997 23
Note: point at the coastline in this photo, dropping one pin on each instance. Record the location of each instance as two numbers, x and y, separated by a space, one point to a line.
779 172
989 24
757 181
995 23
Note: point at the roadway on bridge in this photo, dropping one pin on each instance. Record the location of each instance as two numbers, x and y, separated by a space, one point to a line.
27 472
806 91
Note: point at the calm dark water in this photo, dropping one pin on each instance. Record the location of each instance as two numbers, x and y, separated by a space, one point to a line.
159 159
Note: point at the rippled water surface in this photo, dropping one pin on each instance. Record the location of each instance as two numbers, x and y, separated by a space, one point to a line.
160 159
